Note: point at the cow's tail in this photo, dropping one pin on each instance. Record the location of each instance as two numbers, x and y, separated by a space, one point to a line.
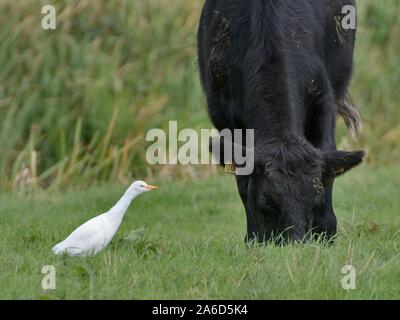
351 115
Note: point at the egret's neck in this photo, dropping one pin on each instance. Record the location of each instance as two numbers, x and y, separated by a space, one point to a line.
120 208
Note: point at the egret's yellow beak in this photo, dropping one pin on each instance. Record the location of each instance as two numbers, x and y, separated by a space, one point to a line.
151 187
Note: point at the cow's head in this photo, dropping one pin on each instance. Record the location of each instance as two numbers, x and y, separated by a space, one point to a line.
288 182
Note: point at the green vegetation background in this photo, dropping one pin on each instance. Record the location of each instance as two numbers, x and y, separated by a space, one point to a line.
76 103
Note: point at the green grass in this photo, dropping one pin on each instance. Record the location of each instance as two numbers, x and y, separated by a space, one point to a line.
193 245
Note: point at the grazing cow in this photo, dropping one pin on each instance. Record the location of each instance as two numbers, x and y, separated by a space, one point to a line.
282 68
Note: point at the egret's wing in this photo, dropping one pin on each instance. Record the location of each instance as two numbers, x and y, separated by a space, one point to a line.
90 237
87 230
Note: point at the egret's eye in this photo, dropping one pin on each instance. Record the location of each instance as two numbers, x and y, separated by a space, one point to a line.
142 186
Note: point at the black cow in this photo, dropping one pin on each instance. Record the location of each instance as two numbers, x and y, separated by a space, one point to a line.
282 68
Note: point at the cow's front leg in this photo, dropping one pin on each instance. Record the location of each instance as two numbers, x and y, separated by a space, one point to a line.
217 145
252 229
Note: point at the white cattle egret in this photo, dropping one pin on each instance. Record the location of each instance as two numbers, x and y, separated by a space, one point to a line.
95 234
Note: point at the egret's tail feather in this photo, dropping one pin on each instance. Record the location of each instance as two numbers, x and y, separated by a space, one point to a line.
58 249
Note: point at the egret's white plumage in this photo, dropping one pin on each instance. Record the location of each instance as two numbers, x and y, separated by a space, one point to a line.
95 234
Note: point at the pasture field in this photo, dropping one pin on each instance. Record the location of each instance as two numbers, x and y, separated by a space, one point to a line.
192 246
75 106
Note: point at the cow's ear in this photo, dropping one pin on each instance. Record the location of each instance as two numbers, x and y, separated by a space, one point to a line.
337 163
